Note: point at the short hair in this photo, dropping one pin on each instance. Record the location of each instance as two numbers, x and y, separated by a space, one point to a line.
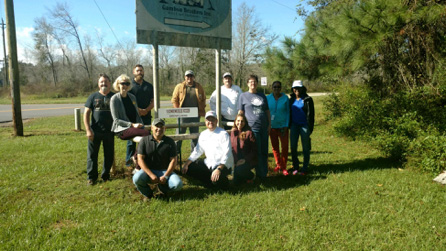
277 82
103 75
254 77
120 79
138 65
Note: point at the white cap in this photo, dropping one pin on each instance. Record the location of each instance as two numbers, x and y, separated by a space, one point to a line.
297 83
189 72
227 74
210 114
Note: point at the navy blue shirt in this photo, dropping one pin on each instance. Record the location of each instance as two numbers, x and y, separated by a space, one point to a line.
297 113
144 94
101 119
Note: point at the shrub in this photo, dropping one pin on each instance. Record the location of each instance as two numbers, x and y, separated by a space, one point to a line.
395 124
428 152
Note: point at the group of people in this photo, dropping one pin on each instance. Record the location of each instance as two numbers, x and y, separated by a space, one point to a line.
255 118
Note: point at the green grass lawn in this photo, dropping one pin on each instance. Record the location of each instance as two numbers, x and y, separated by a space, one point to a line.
355 199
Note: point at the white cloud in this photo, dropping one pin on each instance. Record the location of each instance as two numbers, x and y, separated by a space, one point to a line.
24 42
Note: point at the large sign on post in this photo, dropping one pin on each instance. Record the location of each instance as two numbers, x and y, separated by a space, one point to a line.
189 23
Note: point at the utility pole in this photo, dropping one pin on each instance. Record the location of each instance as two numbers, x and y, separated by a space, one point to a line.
5 63
13 69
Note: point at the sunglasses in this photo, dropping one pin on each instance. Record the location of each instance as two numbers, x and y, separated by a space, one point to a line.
125 83
277 87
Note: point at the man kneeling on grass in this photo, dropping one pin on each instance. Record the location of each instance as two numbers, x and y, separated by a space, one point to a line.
215 144
157 157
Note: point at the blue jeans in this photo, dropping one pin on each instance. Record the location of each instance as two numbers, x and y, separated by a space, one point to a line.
131 146
304 133
262 152
142 180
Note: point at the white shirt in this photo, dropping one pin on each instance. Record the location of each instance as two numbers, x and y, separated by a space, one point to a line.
216 145
229 101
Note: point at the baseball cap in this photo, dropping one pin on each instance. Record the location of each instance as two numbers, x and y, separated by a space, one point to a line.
158 121
297 83
227 74
189 72
210 114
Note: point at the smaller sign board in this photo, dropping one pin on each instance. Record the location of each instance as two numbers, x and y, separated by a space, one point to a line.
263 81
188 112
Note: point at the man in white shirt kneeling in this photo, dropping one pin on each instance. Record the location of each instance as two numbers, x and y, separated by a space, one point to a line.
216 145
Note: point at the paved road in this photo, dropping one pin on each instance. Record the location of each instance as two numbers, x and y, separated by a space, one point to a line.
37 111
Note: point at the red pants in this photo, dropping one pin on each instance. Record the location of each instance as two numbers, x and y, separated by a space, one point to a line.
281 157
130 133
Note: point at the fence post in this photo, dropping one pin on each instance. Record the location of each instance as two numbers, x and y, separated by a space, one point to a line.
77 119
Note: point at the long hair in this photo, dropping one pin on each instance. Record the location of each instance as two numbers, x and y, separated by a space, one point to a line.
242 133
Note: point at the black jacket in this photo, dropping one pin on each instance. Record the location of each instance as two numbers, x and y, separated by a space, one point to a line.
308 109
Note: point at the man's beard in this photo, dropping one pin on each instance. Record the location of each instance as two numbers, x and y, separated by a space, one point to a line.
139 78
104 88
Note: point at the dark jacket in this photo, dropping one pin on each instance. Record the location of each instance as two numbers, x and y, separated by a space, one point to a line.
308 109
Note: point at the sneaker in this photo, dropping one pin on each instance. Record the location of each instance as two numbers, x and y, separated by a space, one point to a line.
91 182
292 171
277 169
285 172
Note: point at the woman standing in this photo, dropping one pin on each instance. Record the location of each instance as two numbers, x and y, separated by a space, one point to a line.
279 107
255 107
302 124
126 120
244 150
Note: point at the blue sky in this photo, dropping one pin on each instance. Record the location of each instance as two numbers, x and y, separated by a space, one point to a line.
279 15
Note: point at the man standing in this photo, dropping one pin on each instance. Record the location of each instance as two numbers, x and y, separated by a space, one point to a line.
216 145
189 94
99 130
157 157
229 100
143 92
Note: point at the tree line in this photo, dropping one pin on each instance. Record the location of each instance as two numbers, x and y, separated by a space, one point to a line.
68 61
386 60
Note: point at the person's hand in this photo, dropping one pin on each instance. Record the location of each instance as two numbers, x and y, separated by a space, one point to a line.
240 162
163 179
137 125
154 179
90 135
215 175
185 167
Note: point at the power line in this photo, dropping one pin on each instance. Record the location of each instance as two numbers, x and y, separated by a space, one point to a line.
109 25
288 7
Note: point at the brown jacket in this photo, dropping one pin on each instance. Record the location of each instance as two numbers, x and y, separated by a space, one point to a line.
180 92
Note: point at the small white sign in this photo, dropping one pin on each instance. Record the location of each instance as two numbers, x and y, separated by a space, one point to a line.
263 81
188 112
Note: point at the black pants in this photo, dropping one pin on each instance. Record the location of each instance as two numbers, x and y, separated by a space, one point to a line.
108 144
201 172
